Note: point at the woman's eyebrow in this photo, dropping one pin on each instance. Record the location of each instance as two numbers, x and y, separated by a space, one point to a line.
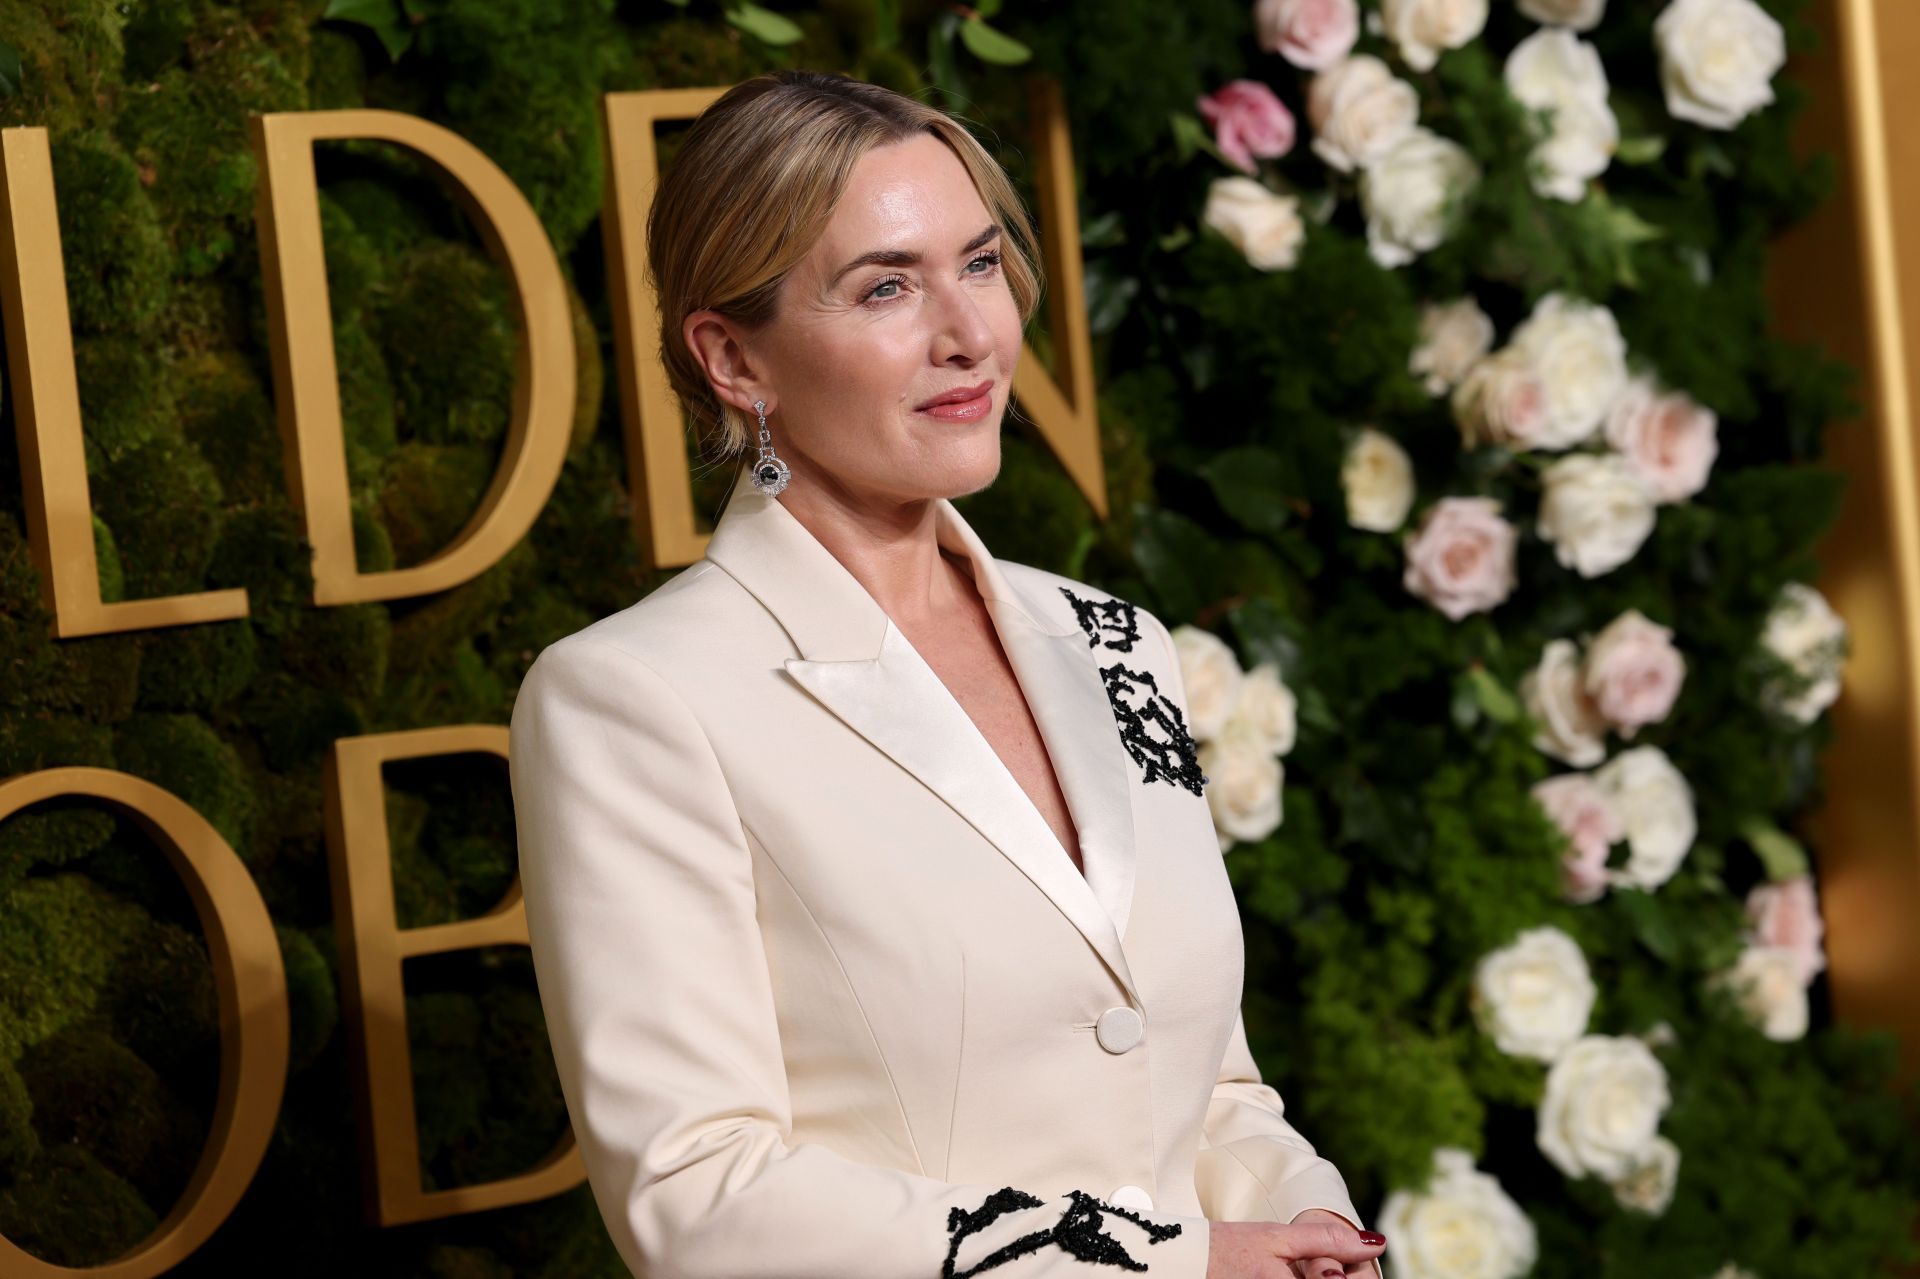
907 257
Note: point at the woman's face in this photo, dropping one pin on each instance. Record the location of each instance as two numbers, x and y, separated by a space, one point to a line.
858 348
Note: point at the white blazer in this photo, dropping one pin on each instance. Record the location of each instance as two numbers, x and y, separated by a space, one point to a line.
826 996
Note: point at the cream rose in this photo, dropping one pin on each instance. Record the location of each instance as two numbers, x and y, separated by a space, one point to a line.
1582 358
1656 806
1602 1105
1461 559
1581 15
1211 675
1577 805
1311 34
1462 1226
1567 724
1423 28
1454 337
1765 982
1670 438
1264 226
1787 915
1555 71
1647 1185
1411 194
1502 401
1718 59
1803 631
1377 476
1265 712
1534 995
1596 510
1633 672
1359 109
1243 786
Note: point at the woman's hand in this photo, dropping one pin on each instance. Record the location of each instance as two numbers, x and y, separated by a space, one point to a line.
1316 1242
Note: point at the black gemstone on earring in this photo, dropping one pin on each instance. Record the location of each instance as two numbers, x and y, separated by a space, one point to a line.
1153 730
1116 615
1078 1231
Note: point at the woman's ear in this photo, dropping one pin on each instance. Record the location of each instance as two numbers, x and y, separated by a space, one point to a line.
718 343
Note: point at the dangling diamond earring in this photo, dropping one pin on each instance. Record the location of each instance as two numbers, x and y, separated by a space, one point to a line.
770 473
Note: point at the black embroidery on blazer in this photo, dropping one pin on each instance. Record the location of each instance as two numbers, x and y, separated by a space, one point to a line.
1078 1231
1095 616
1167 753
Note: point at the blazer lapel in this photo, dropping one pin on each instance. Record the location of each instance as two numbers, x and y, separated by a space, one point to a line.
857 664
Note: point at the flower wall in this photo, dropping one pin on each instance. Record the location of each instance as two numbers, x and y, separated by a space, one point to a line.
1441 418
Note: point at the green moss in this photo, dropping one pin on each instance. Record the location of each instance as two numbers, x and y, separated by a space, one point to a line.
19 1143
313 1001
337 78
196 668
70 59
50 834
182 754
262 547
60 936
429 493
69 1209
452 367
163 503
126 398
342 648
159 998
116 256
227 414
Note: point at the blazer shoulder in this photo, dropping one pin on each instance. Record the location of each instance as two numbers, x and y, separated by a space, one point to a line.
1110 622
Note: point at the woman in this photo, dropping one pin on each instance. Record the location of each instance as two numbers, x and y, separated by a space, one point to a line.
877 911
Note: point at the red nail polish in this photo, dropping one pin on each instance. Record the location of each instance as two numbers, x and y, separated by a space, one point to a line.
1369 1237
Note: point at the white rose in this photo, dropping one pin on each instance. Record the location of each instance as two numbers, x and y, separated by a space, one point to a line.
1569 726
1243 786
1602 1106
1581 15
1535 994
1803 631
1647 1186
1264 226
1670 438
1765 982
1555 71
1462 1226
1359 109
1411 194
1718 59
1502 400
1377 475
1453 338
1655 804
1211 674
1422 28
1265 712
1596 510
1582 358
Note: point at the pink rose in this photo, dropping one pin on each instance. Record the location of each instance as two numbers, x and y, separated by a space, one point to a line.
1787 914
1248 121
1502 400
1579 807
1670 438
1461 559
1633 672
1313 34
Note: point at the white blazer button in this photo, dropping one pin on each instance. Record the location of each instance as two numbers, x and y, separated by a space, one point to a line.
1131 1197
1119 1029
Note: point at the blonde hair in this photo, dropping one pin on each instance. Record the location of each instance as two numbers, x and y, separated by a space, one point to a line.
751 190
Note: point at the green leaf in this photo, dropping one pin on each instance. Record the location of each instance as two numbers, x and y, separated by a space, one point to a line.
1652 924
1176 239
1104 232
771 27
11 80
1783 856
1190 135
1642 150
1251 484
385 18
987 8
989 44
1493 697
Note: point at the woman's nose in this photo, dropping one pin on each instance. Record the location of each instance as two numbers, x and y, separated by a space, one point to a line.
963 329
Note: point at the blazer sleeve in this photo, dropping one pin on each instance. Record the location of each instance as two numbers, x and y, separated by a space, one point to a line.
638 884
1253 1164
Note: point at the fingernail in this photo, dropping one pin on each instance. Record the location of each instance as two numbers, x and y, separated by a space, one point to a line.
1369 1237
1332 1274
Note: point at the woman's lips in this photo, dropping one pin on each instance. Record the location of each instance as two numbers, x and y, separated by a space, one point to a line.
961 410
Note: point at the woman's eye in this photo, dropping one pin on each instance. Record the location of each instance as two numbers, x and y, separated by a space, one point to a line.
992 259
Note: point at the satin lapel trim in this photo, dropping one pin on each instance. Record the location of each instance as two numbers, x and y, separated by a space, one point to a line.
897 702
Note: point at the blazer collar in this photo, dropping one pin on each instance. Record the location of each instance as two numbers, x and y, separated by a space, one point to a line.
857 664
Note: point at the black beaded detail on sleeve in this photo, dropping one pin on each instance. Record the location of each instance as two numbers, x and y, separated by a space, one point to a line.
1116 615
1078 1231
1153 730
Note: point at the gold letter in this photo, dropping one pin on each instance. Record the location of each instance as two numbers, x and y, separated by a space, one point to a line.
372 948
46 405
306 383
657 476
252 986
